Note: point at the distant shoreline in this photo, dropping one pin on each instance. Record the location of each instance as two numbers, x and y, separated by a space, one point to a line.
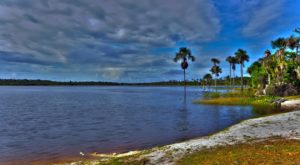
37 82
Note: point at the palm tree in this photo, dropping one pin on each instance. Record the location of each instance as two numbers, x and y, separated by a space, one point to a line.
215 61
265 62
234 62
216 70
280 44
230 60
207 78
241 56
184 54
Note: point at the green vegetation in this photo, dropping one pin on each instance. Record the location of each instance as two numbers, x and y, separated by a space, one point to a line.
293 97
236 98
278 73
132 160
267 152
206 79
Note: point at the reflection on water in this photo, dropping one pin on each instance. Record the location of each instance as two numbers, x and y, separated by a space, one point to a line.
42 123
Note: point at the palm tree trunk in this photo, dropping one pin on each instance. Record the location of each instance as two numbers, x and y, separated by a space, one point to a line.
242 83
216 83
233 79
230 77
184 85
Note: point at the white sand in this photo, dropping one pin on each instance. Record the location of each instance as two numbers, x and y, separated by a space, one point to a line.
291 104
285 125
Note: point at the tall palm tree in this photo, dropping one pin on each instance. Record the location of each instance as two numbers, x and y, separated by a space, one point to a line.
265 62
230 60
207 78
184 54
241 56
233 67
216 70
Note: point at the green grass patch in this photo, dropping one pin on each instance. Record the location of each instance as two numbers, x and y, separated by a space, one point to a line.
267 152
293 97
241 100
235 98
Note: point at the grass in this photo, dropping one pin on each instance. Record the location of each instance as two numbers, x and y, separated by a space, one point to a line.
132 160
267 152
123 161
226 101
293 97
236 98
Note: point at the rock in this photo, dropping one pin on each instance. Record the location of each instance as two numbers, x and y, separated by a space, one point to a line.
279 101
290 90
291 104
281 90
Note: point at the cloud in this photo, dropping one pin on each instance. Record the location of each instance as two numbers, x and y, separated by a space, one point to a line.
95 35
261 15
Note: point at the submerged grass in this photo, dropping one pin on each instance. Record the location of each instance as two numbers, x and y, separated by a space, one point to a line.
236 98
225 101
267 152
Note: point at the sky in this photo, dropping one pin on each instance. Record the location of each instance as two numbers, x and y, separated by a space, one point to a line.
134 40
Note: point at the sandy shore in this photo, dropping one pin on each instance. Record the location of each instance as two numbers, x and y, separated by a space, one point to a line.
286 125
291 104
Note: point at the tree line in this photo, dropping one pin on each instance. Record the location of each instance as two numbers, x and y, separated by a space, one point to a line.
184 55
276 73
26 82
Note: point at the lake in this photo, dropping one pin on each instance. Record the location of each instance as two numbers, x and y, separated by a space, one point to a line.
50 123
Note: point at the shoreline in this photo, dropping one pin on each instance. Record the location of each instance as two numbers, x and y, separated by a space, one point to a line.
284 126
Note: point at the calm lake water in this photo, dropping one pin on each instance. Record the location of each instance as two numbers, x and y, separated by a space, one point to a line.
43 123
